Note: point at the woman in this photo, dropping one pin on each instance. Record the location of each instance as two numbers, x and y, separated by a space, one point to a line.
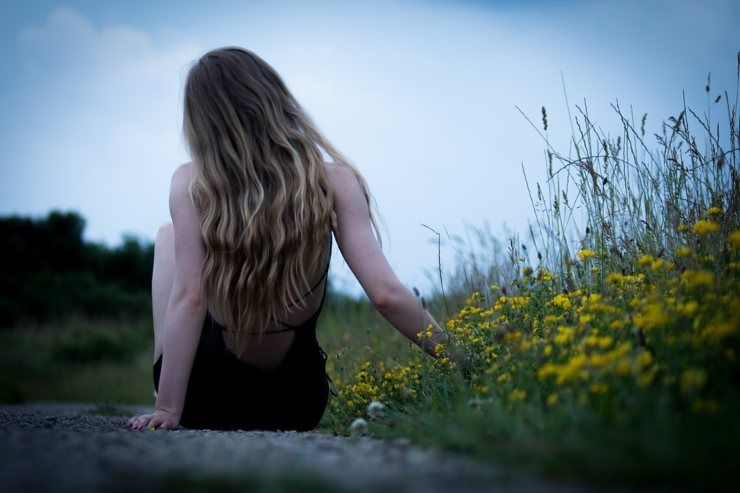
247 253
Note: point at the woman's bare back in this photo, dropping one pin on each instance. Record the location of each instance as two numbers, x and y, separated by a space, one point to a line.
276 341
268 352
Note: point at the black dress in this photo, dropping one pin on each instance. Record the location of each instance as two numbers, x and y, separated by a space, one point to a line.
225 393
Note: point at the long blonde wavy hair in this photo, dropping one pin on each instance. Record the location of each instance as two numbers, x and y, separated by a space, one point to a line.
260 188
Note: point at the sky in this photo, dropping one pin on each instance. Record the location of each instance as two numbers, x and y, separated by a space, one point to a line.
422 96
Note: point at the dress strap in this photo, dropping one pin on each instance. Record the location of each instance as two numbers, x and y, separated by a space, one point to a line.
314 314
294 327
326 271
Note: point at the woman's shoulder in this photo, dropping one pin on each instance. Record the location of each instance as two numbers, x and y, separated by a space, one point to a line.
179 185
183 172
181 178
339 175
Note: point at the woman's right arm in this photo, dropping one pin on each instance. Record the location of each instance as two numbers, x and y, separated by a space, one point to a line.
360 249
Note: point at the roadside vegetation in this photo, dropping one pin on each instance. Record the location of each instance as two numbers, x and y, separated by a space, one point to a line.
606 345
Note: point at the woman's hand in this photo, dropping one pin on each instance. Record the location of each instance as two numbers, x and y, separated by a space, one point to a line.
159 420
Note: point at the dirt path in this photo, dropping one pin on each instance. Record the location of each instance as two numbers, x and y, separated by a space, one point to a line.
67 447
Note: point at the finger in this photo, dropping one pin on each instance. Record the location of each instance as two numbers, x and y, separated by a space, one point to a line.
164 425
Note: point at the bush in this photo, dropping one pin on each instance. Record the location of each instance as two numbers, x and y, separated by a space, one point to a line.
88 345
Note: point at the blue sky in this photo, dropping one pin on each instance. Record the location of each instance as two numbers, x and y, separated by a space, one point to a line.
420 95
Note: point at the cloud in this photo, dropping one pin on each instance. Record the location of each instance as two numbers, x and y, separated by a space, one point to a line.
101 113
68 42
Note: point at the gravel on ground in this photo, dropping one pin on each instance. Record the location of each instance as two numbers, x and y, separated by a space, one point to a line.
72 447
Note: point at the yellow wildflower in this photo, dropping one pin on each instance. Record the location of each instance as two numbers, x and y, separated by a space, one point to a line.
615 278
735 239
517 395
694 279
598 360
652 317
474 299
645 358
623 367
689 308
547 370
598 388
703 227
646 378
564 335
571 369
605 342
480 389
591 340
692 380
719 330
584 254
714 211
682 251
562 301
645 259
594 298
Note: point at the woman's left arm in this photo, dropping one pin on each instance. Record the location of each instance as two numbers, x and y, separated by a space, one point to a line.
185 312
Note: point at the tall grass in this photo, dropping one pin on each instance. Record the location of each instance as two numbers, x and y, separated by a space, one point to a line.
625 197
80 359
610 351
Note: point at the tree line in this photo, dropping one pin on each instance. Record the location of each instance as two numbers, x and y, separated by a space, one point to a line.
49 271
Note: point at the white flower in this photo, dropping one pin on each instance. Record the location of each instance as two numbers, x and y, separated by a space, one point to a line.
475 402
358 427
375 410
